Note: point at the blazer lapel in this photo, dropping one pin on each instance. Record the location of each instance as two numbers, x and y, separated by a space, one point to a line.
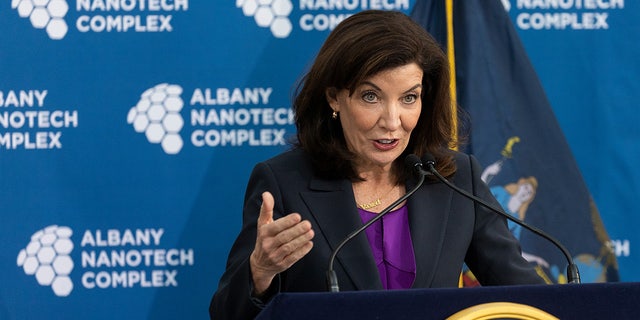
428 217
331 204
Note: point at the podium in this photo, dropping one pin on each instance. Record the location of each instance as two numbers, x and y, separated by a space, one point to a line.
568 301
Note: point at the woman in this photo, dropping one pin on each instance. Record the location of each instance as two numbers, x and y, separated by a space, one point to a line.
377 91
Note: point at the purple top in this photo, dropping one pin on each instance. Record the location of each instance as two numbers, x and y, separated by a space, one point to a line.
392 248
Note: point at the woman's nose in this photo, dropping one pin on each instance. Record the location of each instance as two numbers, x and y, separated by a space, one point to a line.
390 118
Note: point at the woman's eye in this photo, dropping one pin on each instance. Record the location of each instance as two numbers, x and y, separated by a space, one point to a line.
369 97
410 98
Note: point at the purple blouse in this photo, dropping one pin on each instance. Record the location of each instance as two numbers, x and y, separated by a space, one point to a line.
392 248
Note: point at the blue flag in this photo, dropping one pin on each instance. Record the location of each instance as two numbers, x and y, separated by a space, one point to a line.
513 132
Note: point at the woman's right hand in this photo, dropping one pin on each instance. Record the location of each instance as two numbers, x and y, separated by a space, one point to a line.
279 244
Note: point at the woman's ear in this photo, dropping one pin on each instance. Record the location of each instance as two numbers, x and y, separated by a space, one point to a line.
331 95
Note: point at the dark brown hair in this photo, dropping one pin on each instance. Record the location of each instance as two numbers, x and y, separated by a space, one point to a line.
361 46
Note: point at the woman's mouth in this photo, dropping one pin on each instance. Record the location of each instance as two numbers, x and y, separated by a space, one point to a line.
385 144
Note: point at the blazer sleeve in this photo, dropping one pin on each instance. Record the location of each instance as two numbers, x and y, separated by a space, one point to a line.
233 298
494 256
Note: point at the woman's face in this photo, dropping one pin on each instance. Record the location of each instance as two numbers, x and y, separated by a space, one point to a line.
525 192
377 119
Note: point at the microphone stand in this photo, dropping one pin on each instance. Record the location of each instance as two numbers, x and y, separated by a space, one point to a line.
573 275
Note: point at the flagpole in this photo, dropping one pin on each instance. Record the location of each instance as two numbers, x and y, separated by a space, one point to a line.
452 73
451 55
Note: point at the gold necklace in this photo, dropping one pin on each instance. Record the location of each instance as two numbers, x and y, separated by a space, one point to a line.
371 204
376 202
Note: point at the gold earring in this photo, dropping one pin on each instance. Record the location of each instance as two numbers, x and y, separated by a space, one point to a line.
334 115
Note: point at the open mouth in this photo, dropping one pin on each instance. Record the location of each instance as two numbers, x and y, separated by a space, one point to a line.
386 144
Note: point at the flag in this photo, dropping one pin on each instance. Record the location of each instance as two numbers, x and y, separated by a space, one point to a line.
513 132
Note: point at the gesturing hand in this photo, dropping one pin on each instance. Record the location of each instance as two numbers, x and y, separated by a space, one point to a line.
279 244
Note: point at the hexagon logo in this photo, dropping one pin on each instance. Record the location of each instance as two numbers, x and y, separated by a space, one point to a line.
44 14
47 257
272 14
157 115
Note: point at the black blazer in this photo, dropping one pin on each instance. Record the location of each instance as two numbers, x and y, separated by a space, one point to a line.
446 230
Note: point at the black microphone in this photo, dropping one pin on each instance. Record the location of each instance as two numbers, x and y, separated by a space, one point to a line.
573 276
411 161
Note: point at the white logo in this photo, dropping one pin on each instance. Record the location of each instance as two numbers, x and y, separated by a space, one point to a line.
44 14
218 117
100 16
47 256
565 15
157 114
272 14
28 125
314 15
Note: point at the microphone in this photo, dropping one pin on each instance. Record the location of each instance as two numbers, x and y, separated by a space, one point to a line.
573 276
411 161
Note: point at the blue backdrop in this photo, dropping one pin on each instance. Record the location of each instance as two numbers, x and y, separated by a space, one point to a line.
128 130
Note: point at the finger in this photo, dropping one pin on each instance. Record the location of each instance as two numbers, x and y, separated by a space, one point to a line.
266 209
282 224
296 244
295 256
293 232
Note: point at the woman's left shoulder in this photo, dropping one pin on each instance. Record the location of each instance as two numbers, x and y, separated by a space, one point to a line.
466 164
463 159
